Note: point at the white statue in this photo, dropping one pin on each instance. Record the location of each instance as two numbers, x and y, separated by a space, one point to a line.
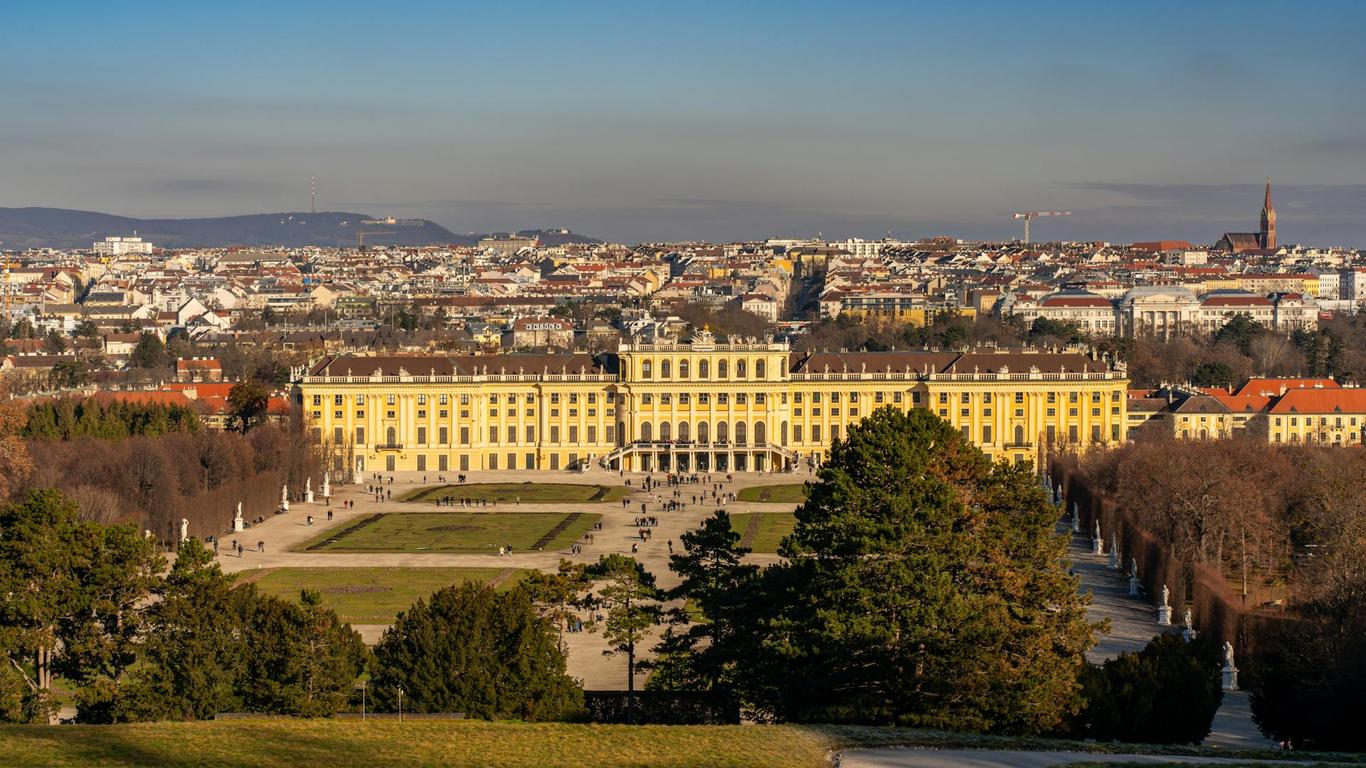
284 498
308 490
1188 624
238 524
327 485
184 530
1114 551
1133 567
1097 541
1164 611
1230 671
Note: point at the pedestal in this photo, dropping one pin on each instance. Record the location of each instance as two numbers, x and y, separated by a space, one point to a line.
1188 634
284 506
1133 586
1164 615
238 525
1114 559
308 497
1098 546
1230 674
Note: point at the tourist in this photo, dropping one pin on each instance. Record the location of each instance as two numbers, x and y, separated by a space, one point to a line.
671 546
260 546
329 515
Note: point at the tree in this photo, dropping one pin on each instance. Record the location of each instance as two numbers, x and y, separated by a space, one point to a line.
556 595
924 585
471 649
1240 331
87 329
627 592
149 354
15 463
1166 693
1213 374
702 651
53 343
247 402
193 655
68 374
300 659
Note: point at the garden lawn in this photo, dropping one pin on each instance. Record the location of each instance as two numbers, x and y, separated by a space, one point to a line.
528 493
792 493
373 595
277 743
762 531
456 532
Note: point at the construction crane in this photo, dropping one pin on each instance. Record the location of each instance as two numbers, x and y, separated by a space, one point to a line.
1029 216
361 235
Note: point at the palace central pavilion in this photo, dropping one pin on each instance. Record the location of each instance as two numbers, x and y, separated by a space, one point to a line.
698 406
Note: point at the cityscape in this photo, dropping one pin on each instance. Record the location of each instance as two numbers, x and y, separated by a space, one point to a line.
570 412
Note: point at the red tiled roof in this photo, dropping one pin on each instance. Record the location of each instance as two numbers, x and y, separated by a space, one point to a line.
1267 386
1321 401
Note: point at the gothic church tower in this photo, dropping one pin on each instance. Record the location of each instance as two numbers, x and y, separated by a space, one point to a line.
1268 233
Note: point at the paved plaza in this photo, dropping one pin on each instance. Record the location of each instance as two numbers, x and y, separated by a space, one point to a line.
285 535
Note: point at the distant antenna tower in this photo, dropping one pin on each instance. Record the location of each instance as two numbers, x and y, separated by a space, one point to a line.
312 194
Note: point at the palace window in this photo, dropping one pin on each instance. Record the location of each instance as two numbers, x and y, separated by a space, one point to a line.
682 369
721 369
740 369
758 369
421 399
703 369
646 369
664 371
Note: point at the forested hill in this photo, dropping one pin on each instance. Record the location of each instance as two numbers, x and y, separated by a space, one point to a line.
22 228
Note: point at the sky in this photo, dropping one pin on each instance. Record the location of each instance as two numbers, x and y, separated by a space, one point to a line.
648 121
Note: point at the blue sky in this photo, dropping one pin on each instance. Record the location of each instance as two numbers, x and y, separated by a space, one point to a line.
639 121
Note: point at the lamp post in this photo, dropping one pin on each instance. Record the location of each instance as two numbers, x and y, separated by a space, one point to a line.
400 703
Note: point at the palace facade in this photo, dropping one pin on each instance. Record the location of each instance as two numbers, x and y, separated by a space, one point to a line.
698 406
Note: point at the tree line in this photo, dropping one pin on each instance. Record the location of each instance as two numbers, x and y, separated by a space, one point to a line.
69 418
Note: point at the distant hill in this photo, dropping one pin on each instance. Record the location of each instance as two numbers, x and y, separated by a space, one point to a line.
62 228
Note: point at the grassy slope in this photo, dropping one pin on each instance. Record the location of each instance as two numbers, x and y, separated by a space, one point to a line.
278 743
794 493
373 595
528 493
420 532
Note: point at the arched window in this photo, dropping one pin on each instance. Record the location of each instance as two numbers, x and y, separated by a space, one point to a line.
739 369
722 434
646 432
682 369
665 431
389 437
703 369
758 369
703 433
646 369
682 430
740 433
721 369
663 369
1203 433
1019 434
760 433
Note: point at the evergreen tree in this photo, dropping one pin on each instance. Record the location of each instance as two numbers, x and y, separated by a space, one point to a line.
627 592
701 649
300 659
248 402
556 595
924 585
1166 693
149 353
471 649
193 652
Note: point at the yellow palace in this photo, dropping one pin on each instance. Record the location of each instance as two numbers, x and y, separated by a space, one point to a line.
698 406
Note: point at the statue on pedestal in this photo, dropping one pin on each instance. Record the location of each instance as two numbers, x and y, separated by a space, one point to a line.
308 490
284 498
238 524
1164 611
1097 541
1229 672
184 530
327 485
1188 633
1134 584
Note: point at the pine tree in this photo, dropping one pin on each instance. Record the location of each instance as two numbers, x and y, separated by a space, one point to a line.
627 592
924 585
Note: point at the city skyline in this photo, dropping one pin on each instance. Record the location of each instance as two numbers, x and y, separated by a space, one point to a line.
637 124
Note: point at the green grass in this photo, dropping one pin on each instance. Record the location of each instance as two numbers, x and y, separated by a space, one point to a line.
373 595
762 531
277 743
455 532
792 493
528 493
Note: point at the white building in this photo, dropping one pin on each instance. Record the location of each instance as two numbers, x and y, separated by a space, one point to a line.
118 246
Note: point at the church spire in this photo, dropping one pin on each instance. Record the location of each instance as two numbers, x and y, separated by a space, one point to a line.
1268 234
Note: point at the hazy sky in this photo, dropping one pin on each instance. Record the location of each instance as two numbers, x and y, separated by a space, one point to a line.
677 120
